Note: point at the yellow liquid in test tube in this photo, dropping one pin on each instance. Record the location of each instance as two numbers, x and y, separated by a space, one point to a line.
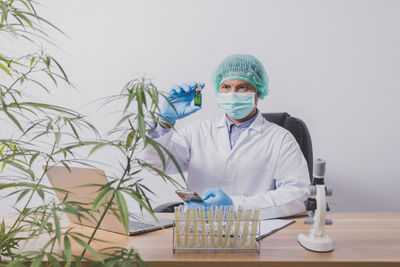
228 228
195 228
187 227
178 230
254 226
219 225
203 228
211 222
237 228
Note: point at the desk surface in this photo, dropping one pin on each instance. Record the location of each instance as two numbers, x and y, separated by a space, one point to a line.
360 239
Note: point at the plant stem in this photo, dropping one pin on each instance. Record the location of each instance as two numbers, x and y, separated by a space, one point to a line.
108 207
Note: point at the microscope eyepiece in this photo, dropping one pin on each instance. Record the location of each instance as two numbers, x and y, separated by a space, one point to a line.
319 171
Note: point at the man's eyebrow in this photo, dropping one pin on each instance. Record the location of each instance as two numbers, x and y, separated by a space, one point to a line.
245 83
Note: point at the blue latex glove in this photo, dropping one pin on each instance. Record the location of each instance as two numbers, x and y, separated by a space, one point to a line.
212 197
181 96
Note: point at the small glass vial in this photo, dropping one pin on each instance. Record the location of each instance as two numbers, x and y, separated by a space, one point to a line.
197 96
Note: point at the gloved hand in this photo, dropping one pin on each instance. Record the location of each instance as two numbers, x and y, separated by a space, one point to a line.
181 96
212 197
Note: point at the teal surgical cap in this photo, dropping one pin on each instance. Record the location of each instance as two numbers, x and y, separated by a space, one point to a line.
242 67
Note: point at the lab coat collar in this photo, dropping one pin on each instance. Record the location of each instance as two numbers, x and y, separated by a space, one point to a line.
257 124
220 122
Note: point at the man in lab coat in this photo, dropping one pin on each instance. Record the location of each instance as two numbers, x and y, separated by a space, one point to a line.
240 159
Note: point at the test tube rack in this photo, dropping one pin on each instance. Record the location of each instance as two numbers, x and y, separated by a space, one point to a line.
216 229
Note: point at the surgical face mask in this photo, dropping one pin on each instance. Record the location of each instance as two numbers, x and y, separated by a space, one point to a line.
236 105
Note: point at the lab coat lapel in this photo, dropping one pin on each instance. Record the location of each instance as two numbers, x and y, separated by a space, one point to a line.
256 125
223 140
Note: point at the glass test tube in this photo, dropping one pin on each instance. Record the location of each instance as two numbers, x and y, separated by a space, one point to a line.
211 222
219 226
187 227
254 226
228 228
237 228
178 230
203 227
195 228
246 227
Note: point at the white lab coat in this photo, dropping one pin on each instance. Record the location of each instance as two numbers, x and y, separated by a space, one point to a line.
265 169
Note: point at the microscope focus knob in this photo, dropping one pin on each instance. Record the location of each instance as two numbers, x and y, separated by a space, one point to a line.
312 190
328 190
311 204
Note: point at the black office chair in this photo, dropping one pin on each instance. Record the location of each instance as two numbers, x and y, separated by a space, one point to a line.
299 130
294 125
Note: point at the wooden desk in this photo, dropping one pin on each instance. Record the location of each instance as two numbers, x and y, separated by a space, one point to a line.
360 239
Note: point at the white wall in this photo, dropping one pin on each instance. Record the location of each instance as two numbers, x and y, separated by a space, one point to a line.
331 63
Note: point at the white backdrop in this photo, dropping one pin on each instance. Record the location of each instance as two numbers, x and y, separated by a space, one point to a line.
334 64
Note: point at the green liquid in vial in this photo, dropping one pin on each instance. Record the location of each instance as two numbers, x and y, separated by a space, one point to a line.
197 98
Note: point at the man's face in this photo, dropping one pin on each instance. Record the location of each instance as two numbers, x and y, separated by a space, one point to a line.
238 86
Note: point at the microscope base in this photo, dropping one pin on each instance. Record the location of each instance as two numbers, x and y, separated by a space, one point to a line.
317 244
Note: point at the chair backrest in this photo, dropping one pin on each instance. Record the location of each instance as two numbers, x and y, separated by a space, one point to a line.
299 130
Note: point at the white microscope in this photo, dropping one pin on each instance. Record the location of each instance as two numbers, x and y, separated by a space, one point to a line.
317 240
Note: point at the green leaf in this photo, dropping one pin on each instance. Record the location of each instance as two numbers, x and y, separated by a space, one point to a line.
53 260
20 15
52 77
40 193
61 69
129 139
5 69
24 192
32 60
57 225
37 261
101 197
20 167
96 147
88 247
156 147
123 209
58 138
12 117
137 197
33 158
43 20
3 228
47 61
68 252
73 129
124 118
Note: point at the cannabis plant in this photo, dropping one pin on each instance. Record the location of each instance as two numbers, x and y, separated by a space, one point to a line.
41 135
